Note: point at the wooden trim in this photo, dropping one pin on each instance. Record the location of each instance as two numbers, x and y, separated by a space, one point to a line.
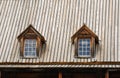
30 36
38 46
84 36
92 46
60 63
76 49
21 46
60 75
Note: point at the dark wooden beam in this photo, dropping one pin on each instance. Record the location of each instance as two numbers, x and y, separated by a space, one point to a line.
61 63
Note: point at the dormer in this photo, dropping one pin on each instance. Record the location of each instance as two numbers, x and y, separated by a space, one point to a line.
85 41
31 42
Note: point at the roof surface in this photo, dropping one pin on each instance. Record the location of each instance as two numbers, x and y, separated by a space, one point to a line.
57 21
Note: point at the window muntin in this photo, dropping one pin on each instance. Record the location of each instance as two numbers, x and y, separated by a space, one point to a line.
30 48
84 47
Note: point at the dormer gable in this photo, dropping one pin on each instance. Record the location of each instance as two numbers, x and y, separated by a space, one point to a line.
30 31
83 32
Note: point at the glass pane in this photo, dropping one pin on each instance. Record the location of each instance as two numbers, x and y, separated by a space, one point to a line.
26 45
80 53
30 41
88 40
80 49
80 44
88 49
33 49
26 49
30 49
34 41
33 53
26 41
84 53
80 40
26 53
88 44
30 45
84 49
34 45
88 53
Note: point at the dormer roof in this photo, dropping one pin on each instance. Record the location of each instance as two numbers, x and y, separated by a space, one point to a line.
84 30
31 29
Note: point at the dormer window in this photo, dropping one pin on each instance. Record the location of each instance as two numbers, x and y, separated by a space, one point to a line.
84 47
85 41
30 48
31 42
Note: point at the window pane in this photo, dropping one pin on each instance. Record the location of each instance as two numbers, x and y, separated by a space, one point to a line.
26 53
80 49
34 45
33 49
26 41
88 53
88 49
88 44
84 49
26 45
80 53
26 49
30 49
33 54
80 44
84 53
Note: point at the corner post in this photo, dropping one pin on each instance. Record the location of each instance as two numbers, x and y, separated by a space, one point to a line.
0 74
107 74
60 75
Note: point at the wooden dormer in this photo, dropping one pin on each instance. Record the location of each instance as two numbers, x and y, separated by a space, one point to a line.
30 34
85 41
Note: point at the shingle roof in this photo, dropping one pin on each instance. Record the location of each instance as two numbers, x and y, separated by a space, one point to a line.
57 21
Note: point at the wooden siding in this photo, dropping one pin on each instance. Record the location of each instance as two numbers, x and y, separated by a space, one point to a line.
57 21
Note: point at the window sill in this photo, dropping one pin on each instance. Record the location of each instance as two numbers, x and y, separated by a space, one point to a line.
29 57
83 57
